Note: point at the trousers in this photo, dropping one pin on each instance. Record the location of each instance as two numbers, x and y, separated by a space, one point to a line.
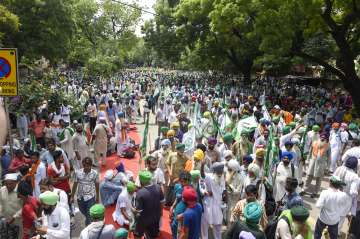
320 226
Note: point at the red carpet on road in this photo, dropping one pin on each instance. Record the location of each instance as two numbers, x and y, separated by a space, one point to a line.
132 165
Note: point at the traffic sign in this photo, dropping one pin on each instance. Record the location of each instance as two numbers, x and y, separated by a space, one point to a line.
8 72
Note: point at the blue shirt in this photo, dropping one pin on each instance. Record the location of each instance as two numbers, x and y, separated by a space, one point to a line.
192 221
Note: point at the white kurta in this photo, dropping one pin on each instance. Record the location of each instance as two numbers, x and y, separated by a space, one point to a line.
58 224
123 201
282 172
80 146
212 205
67 145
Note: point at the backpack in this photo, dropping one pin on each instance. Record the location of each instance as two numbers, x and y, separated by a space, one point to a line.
270 229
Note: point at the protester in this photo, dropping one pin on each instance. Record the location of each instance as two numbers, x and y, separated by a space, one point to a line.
86 184
333 204
97 229
250 227
149 202
55 220
124 212
10 206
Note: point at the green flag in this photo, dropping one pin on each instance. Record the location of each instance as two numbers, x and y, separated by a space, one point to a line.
143 145
33 142
268 150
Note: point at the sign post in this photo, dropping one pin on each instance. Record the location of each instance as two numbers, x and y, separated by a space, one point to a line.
8 83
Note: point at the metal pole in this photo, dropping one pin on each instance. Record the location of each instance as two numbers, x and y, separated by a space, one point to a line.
6 104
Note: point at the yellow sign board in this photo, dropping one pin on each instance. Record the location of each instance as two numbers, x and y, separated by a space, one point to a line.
8 72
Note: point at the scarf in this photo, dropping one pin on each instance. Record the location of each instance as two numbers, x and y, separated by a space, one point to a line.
32 172
60 172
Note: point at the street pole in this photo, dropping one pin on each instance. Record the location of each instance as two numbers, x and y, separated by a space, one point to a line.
11 142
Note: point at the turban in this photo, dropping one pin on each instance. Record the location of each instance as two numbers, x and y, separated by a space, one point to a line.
145 176
253 212
351 163
109 174
337 181
199 155
120 114
253 167
130 186
316 128
352 127
299 213
164 129
49 198
234 165
228 138
189 194
195 174
277 107
180 146
217 167
335 125
288 155
121 233
212 141
165 142
207 114
289 142
260 153
97 211
248 159
175 125
295 201
286 129
171 133
11 176
344 125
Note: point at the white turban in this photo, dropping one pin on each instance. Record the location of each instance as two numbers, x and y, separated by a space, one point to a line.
253 167
11 176
234 165
109 174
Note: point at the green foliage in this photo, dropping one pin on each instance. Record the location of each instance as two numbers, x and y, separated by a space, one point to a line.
9 23
46 27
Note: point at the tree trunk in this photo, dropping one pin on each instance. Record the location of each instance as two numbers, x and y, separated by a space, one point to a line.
245 69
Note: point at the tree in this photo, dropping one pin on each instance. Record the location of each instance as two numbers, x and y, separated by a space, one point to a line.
9 23
45 29
290 28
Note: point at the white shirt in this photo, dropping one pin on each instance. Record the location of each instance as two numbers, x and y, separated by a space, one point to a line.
333 204
40 174
63 199
58 224
172 117
123 201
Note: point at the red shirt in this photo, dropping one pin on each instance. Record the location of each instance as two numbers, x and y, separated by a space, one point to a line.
17 163
38 128
63 184
28 214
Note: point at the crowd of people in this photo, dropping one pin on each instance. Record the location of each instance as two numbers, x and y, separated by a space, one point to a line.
228 160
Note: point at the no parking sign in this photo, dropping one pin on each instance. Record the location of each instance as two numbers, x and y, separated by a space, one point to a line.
8 72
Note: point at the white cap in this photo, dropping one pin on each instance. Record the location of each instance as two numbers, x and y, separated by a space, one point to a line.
11 176
109 174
